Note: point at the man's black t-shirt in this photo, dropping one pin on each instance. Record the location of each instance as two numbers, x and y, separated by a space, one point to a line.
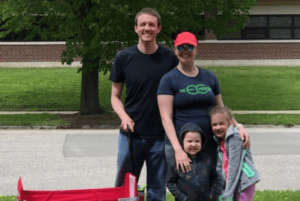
141 74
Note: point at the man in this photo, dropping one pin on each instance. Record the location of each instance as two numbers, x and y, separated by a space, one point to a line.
140 68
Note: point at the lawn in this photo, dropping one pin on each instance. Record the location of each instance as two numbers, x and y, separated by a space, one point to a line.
46 89
259 88
243 88
266 195
58 89
31 119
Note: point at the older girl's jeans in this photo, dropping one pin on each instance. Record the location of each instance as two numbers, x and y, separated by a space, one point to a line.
246 195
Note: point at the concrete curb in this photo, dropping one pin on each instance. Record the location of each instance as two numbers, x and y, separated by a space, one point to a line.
44 127
111 127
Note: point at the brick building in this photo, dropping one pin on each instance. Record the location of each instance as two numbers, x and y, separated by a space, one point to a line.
270 37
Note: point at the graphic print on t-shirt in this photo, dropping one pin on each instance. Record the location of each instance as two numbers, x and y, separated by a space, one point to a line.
195 89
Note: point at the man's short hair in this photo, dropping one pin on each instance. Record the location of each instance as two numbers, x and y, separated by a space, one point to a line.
149 11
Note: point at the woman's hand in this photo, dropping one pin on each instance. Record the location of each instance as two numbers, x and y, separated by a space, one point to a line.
245 137
182 160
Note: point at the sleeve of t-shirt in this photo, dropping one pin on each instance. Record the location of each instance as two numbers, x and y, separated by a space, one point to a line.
165 86
116 73
215 83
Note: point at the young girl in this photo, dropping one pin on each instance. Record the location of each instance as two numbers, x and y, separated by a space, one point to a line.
234 162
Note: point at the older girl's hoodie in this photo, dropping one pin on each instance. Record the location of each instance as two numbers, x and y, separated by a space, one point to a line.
241 170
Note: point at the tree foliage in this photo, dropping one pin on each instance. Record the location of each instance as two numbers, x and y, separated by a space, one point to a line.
96 29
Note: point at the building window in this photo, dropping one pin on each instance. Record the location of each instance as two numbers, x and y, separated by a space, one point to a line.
268 27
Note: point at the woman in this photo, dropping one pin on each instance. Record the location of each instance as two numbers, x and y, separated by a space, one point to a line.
185 95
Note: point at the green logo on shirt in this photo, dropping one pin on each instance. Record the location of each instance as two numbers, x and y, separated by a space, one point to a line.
196 89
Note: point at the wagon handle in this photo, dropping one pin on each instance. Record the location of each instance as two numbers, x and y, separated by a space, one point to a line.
129 137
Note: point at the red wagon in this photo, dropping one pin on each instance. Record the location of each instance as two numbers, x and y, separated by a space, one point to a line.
128 192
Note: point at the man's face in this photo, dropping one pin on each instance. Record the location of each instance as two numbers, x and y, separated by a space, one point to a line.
147 28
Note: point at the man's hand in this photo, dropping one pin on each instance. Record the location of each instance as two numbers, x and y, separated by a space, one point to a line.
127 123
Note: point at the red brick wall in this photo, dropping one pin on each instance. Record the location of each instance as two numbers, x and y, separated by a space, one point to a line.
31 53
206 51
248 51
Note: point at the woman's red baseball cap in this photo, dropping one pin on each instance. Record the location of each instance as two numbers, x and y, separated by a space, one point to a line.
186 38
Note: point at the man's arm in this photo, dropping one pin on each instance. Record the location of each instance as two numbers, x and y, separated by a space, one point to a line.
118 106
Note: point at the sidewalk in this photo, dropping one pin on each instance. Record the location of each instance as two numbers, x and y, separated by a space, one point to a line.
86 159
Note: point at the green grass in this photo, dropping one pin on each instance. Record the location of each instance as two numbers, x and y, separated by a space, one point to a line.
31 119
266 195
243 88
259 88
274 119
8 198
42 89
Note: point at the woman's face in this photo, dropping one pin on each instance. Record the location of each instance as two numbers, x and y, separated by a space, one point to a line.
186 56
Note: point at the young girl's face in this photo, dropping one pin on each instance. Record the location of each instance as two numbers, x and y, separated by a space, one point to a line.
192 143
219 124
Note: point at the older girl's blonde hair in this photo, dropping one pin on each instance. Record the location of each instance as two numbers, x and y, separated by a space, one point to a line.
222 110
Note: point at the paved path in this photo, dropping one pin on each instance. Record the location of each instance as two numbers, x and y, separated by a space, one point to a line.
76 159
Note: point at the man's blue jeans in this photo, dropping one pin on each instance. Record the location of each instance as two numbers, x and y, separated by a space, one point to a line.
151 151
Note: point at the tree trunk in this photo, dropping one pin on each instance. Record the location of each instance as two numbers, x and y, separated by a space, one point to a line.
89 88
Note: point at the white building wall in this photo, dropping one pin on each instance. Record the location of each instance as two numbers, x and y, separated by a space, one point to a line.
275 10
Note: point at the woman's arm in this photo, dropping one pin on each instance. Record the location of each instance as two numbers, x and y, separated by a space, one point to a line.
243 134
165 103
